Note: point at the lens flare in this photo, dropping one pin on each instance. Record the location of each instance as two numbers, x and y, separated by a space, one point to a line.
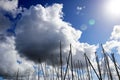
91 22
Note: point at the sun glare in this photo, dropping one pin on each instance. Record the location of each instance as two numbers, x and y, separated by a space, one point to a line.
112 7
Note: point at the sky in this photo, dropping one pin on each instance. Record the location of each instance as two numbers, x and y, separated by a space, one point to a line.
31 31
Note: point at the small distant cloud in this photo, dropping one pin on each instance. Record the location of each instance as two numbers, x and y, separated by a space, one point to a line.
79 9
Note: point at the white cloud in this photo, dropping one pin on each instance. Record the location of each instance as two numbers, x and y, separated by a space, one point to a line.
9 57
79 9
8 54
116 33
8 5
40 30
113 45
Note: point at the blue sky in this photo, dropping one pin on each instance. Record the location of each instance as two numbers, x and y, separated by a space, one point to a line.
91 9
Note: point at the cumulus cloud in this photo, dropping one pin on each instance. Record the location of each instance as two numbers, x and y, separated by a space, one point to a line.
38 36
9 57
8 5
116 33
8 54
113 45
40 31
110 46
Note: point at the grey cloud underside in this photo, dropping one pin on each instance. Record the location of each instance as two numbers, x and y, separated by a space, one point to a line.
45 46
38 51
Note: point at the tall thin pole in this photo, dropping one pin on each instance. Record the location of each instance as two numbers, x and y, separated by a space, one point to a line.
87 68
92 66
67 59
83 78
99 70
38 68
17 76
79 69
106 58
61 59
43 72
71 62
115 66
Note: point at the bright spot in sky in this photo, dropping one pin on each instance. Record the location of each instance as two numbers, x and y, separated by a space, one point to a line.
83 27
91 22
112 7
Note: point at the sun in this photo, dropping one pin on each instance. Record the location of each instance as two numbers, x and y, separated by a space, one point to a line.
112 8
